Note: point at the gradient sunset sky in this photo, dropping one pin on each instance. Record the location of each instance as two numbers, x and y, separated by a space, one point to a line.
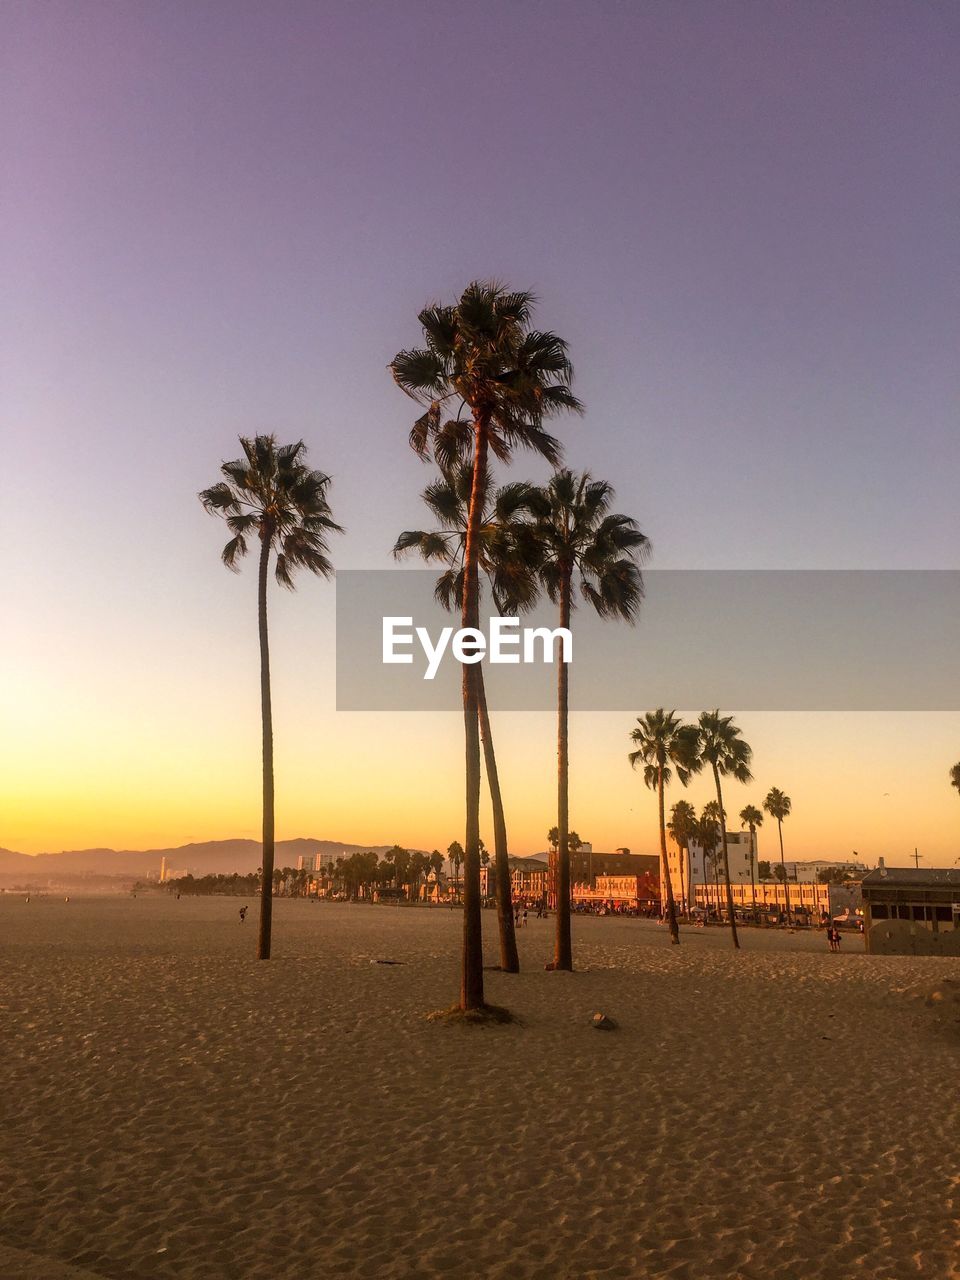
223 218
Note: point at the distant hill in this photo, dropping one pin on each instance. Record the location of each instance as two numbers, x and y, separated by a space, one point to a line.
206 858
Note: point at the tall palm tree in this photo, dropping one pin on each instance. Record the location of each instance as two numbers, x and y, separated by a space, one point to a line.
705 833
710 819
488 382
955 777
777 804
576 535
455 854
681 824
750 816
663 741
271 494
721 747
448 499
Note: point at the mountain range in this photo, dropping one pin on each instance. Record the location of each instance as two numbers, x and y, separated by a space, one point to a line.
206 858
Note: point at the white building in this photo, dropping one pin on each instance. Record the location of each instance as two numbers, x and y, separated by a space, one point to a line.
697 869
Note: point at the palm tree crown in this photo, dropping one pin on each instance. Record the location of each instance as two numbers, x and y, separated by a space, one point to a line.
722 747
663 740
683 819
272 493
574 531
505 551
751 817
482 356
777 804
955 776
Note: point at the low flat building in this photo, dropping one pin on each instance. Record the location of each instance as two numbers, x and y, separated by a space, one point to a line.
809 901
912 911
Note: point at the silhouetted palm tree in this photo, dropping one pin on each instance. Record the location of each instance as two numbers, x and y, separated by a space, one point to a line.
663 741
576 535
778 806
955 777
750 816
681 824
271 494
706 834
481 358
455 854
720 745
448 498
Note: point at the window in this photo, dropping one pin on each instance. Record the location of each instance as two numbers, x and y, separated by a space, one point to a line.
878 911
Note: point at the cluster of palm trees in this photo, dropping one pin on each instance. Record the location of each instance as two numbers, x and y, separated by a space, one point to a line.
955 776
358 873
489 382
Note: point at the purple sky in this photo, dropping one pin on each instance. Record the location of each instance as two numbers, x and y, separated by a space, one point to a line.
223 217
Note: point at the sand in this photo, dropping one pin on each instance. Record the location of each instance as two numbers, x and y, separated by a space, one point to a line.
172 1108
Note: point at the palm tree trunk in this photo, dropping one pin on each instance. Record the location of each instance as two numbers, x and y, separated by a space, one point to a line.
726 862
563 952
509 957
471 985
783 868
753 882
665 868
266 715
681 856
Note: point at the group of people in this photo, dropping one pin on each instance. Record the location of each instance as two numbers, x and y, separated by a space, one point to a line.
833 937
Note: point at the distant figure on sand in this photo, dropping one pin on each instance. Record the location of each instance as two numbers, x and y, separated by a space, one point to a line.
833 937
524 917
243 914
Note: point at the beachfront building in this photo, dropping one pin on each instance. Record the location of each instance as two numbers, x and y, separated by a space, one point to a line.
809 900
912 911
631 890
692 867
586 866
528 880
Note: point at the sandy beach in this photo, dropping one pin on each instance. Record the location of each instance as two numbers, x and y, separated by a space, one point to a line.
174 1109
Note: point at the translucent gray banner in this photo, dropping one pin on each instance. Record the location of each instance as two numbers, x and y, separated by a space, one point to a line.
743 640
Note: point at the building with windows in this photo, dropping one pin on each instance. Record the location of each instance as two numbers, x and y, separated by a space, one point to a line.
621 891
909 911
692 867
809 901
586 866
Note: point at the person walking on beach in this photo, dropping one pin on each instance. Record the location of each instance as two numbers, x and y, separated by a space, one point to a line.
524 917
243 914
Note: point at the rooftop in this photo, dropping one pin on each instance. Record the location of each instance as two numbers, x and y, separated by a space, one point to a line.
920 876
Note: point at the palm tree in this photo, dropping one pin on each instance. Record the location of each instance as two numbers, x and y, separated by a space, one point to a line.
750 816
436 866
778 806
720 745
576 534
481 358
272 494
663 740
704 832
455 854
955 777
681 824
711 818
448 499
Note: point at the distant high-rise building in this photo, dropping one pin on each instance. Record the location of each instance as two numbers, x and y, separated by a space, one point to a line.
163 869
